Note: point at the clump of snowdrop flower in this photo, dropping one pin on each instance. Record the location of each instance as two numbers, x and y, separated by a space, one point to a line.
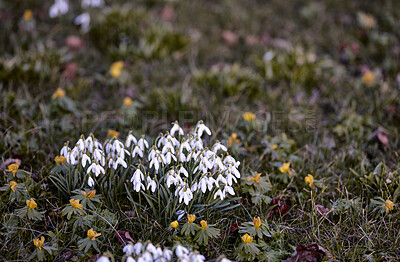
176 162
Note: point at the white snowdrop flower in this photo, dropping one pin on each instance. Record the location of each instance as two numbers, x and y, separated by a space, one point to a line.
151 183
142 143
168 147
230 178
219 193
151 248
186 195
168 157
137 186
138 248
176 128
185 145
128 249
167 254
268 56
131 139
85 158
196 257
201 127
97 144
130 259
137 176
181 251
96 169
89 144
225 260
154 162
103 259
137 151
98 155
80 144
120 161
228 189
203 184
182 157
92 3
217 146
64 150
118 146
220 178
60 7
210 183
84 21
90 181
233 170
170 178
147 256
183 171
194 187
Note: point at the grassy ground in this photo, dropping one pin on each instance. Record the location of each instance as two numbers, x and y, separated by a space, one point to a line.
320 77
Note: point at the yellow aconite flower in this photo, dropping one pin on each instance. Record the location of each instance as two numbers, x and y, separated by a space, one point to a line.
13 185
28 15
248 116
273 147
116 69
12 168
389 205
256 178
31 203
247 239
60 159
309 179
113 133
257 222
89 194
75 203
233 139
91 234
203 224
285 168
174 224
128 101
39 243
58 93
191 218
368 78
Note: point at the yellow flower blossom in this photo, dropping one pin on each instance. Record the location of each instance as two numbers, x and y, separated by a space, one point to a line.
191 218
368 78
31 204
58 93
113 133
247 239
60 159
233 140
248 116
309 179
257 222
128 101
273 147
28 15
256 178
75 203
13 185
389 205
203 224
285 168
13 168
91 234
174 224
116 68
39 243
89 194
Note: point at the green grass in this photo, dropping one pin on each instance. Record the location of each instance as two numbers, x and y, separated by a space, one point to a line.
309 100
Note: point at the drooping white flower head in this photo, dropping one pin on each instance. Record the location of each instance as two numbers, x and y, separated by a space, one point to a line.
60 7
